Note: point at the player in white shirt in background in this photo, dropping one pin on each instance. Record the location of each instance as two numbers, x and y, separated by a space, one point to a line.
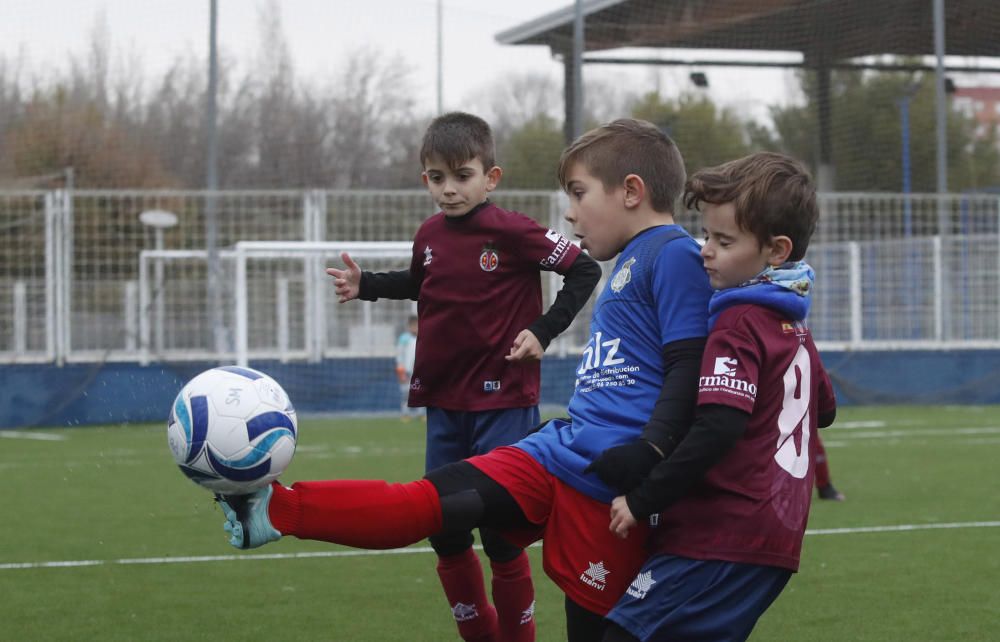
406 352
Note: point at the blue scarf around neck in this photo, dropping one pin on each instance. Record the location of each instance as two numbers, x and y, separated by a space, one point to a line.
785 288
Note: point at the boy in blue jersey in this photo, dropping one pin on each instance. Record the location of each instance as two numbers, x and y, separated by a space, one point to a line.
733 497
634 399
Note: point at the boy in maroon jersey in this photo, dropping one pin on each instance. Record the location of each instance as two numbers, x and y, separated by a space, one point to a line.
476 277
734 495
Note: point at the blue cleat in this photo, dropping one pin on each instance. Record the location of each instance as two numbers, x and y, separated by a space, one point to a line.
246 518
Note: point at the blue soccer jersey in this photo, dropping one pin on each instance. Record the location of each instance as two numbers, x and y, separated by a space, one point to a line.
658 293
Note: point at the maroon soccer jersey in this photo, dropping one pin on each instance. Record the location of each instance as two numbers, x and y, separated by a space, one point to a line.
753 505
480 286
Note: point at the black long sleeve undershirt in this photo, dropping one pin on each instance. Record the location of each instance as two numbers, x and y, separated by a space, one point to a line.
714 432
398 284
673 412
578 284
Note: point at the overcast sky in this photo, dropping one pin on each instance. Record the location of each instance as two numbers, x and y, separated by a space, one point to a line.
44 33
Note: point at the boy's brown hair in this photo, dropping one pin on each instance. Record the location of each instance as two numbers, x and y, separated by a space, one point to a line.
630 146
458 137
773 195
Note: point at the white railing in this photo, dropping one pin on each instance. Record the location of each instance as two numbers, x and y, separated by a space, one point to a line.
81 280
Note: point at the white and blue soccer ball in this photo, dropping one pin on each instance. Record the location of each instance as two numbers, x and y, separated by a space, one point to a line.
232 430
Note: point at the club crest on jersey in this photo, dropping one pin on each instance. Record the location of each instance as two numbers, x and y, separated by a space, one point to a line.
623 276
427 255
489 260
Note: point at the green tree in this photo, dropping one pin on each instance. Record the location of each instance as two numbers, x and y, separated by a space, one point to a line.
867 134
705 134
530 155
979 167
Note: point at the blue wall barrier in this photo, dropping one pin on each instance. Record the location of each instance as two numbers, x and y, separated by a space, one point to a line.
110 393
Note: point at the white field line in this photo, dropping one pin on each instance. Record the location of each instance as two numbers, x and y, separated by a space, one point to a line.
900 528
253 557
908 432
860 424
21 434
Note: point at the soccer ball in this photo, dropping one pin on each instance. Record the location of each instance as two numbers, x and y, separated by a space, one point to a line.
232 430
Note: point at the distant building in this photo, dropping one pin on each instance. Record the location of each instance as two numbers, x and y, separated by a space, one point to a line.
981 103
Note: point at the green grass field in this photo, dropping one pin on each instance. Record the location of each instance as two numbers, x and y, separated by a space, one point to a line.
103 538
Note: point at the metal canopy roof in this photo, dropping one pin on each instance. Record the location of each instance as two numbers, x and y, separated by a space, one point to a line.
822 30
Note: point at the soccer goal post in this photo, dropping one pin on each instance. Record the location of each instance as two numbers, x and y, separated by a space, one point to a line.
285 306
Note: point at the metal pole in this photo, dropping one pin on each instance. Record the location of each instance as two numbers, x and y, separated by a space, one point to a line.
159 295
242 351
143 306
904 126
826 178
53 250
578 47
211 162
212 184
854 287
911 272
941 302
941 106
440 58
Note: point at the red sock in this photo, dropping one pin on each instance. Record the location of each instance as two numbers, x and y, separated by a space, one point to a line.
462 578
822 468
514 597
363 514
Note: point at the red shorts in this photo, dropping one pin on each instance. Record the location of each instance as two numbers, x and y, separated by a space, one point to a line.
591 565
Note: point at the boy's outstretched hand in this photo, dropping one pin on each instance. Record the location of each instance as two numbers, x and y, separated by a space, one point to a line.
526 347
347 282
622 519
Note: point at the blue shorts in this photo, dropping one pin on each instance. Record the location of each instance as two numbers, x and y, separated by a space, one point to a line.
454 435
677 598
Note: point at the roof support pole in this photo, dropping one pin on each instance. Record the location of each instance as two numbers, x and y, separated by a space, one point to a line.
569 99
578 48
826 178
573 78
941 106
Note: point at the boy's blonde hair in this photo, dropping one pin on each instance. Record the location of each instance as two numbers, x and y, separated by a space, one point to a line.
458 137
630 146
773 195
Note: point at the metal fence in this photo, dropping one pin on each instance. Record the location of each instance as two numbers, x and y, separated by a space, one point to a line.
894 271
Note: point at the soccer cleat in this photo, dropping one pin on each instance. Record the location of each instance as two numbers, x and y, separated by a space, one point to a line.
829 492
246 518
